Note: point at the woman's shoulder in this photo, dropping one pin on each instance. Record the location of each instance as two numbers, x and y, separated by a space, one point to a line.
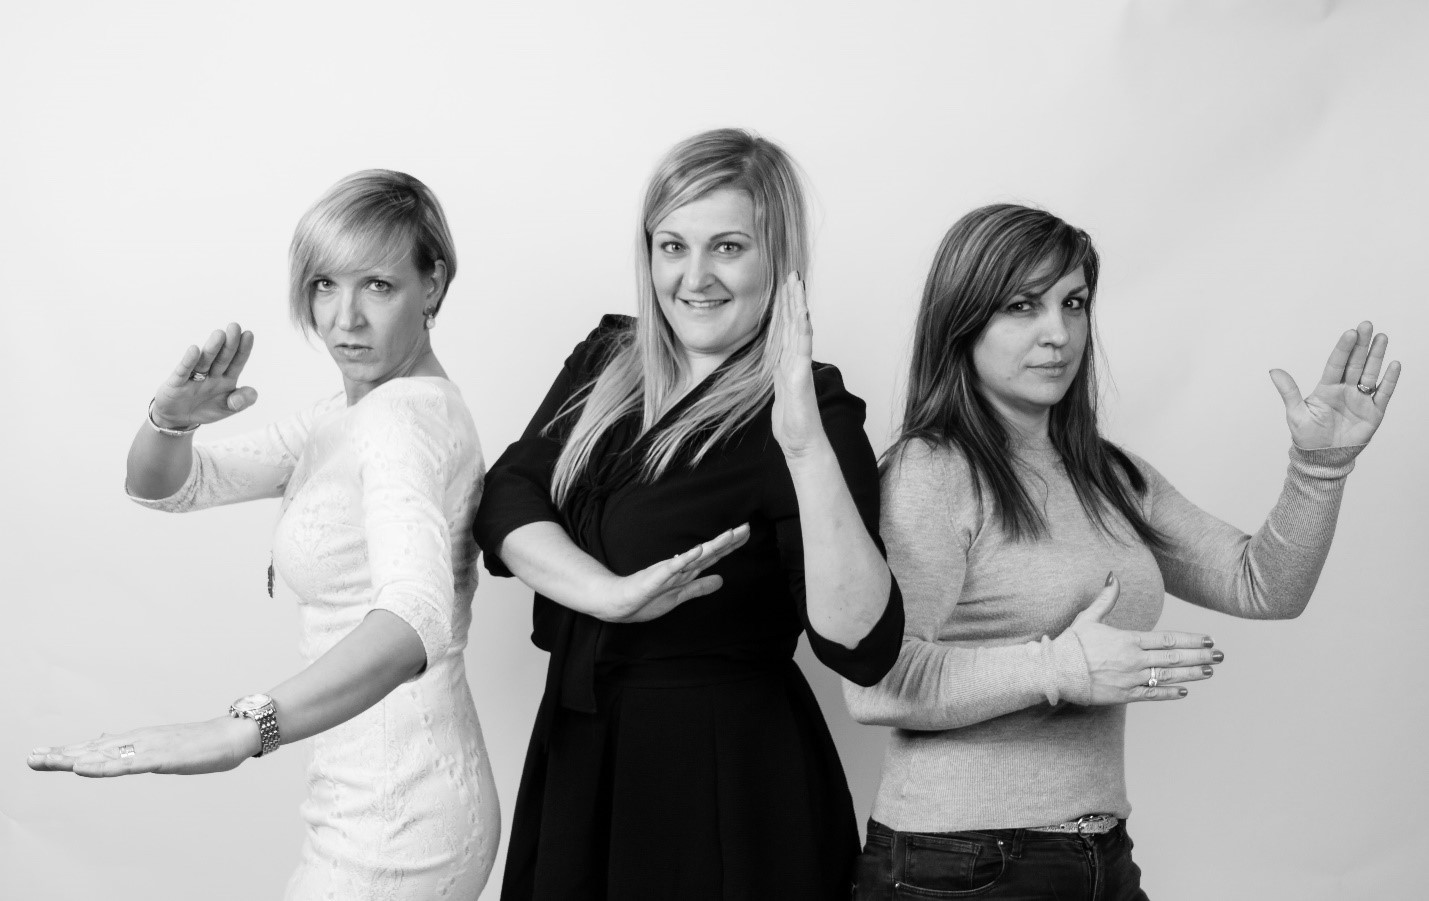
925 461
589 356
428 405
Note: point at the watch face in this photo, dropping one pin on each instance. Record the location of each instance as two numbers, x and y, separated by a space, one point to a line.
251 703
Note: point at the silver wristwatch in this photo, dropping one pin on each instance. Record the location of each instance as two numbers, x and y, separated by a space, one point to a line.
261 710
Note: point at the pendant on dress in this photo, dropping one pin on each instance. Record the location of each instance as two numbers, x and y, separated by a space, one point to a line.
270 577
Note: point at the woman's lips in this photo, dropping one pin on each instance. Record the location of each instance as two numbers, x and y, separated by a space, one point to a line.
704 304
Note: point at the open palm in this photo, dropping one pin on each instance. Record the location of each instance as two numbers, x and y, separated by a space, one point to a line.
1348 404
795 418
185 400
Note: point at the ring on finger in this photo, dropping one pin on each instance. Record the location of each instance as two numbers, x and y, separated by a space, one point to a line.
198 376
1366 389
1153 681
126 750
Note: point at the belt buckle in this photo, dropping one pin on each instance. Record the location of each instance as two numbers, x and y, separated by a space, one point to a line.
1088 821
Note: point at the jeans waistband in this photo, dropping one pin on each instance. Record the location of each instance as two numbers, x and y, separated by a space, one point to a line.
1013 837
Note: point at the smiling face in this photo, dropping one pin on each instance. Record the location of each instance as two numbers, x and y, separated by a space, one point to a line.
1031 350
711 277
373 321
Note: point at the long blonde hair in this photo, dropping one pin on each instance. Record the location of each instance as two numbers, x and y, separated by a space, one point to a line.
645 368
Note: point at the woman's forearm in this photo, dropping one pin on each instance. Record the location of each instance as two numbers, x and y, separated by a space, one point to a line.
846 579
357 672
543 556
158 464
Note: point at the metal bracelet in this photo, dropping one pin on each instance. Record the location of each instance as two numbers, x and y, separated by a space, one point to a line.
172 433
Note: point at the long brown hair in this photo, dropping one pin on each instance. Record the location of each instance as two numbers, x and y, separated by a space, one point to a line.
988 257
646 366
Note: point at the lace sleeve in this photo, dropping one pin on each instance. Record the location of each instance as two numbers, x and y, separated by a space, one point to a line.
409 451
246 467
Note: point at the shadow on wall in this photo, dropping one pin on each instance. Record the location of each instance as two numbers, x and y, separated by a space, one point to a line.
860 747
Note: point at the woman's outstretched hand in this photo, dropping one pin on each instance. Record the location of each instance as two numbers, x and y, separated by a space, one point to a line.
185 400
1121 661
656 590
1348 405
186 749
795 418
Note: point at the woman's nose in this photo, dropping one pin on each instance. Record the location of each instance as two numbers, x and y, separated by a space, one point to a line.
349 311
697 275
1054 329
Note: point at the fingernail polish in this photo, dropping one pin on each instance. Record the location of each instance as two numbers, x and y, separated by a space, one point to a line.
1110 577
1181 692
1207 671
1217 656
1207 642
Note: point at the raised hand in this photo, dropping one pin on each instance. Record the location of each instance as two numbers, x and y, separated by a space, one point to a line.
1122 663
203 387
1348 405
795 418
656 590
185 749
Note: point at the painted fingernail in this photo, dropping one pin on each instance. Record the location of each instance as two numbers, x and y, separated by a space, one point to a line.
1207 671
1217 656
1109 577
1180 692
1208 642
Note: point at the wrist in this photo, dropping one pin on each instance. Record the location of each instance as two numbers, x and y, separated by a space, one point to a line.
814 453
165 426
611 603
241 734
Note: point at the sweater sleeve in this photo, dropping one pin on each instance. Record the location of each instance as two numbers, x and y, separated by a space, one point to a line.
245 467
518 485
1270 575
928 520
842 414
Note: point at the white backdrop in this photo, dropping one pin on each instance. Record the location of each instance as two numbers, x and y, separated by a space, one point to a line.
1252 172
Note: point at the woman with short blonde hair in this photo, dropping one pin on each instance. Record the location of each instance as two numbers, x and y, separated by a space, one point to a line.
379 483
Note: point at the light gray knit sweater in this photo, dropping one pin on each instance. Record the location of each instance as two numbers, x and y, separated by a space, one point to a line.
987 693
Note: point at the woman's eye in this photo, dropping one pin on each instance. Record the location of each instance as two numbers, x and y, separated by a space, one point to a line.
380 286
671 246
1019 306
1075 303
322 284
728 247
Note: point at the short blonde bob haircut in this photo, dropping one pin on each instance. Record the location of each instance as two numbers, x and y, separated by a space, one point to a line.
370 219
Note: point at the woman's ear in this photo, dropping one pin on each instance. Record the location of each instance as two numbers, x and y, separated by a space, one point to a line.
437 282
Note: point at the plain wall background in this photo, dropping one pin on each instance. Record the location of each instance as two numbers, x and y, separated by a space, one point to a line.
1252 173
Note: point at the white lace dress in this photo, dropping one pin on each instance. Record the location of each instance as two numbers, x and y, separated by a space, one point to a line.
377 506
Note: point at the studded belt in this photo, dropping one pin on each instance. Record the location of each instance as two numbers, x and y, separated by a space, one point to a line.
1091 824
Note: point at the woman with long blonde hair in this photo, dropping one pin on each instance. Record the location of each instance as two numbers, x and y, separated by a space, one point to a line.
693 493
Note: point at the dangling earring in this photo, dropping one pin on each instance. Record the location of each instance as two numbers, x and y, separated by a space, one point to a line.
431 314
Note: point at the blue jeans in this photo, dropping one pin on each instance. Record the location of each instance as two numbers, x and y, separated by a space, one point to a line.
997 863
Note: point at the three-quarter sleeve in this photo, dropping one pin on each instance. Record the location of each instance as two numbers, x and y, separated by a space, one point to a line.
518 485
1270 575
245 467
409 452
842 415
927 502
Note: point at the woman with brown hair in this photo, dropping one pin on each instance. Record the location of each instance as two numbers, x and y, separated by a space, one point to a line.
1034 556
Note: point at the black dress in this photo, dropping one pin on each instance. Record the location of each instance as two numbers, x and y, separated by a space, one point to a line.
685 757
